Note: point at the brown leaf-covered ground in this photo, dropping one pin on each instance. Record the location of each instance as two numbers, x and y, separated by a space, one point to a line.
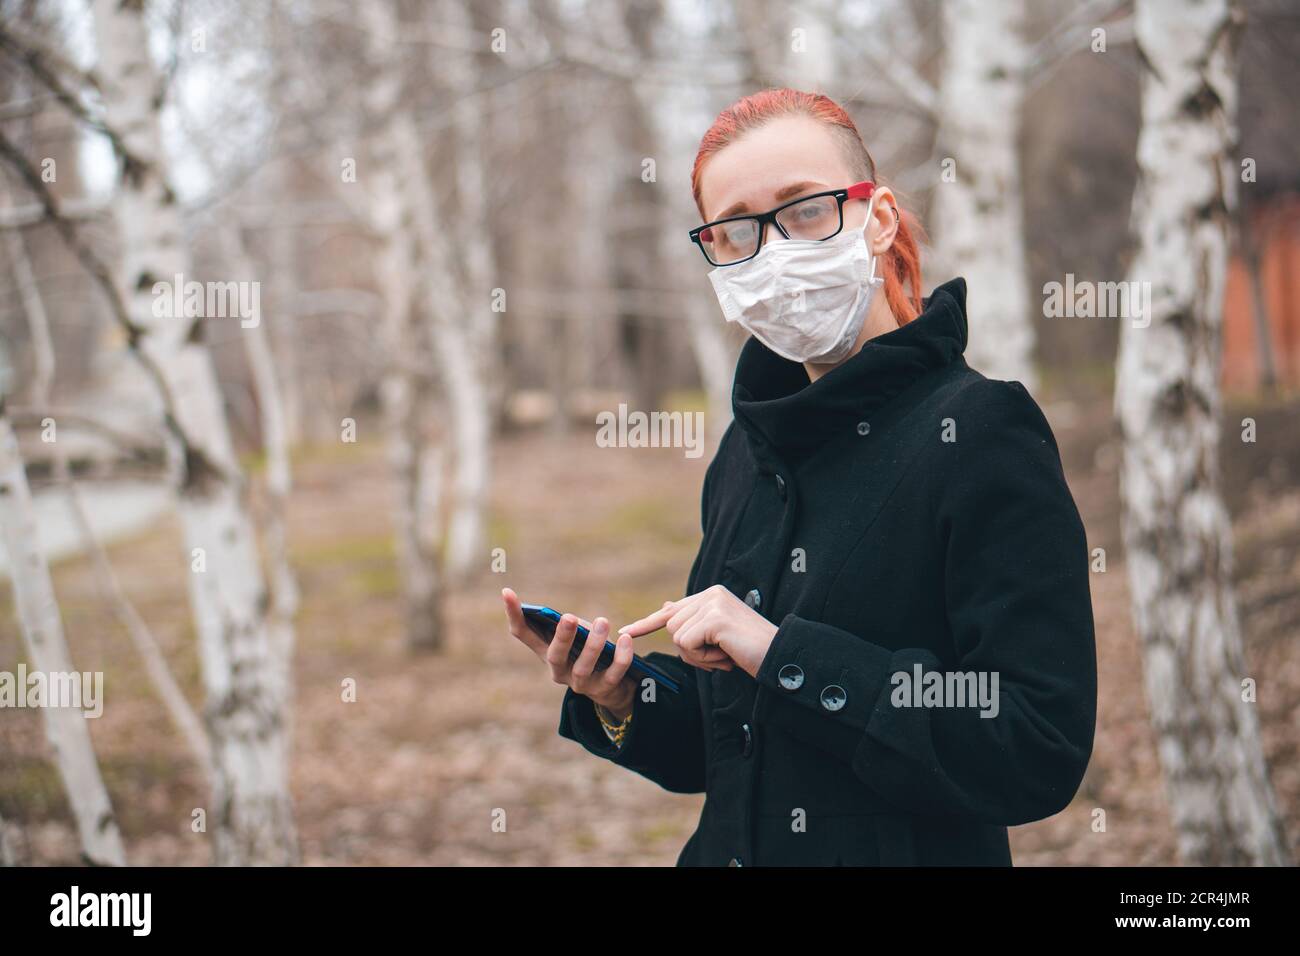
413 771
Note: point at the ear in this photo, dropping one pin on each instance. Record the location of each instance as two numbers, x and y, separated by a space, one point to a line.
884 222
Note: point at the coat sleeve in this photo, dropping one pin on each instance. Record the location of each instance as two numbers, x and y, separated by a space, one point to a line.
665 741
1019 609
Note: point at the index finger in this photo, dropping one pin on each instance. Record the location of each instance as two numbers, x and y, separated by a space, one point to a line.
653 621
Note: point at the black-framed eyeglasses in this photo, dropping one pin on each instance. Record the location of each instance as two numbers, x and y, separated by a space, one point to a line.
736 239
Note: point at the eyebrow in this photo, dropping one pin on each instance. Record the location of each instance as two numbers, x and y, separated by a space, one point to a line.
782 194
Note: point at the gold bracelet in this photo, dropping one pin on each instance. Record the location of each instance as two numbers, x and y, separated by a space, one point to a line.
616 731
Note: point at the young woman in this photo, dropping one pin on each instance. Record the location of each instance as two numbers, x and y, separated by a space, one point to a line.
886 647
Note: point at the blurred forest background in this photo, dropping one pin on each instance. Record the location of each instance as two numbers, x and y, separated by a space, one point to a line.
281 534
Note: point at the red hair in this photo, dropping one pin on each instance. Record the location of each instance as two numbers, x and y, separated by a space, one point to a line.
901 264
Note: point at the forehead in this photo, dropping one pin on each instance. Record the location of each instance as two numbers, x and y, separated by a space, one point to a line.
752 168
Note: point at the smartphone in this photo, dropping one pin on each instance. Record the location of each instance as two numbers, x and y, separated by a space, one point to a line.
544 620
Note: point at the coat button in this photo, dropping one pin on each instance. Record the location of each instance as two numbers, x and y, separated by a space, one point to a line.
749 741
735 861
754 599
833 697
780 487
864 427
790 676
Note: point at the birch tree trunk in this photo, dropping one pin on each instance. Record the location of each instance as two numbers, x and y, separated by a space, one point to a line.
8 855
246 714
715 359
404 391
273 422
155 662
1176 530
978 209
468 394
47 649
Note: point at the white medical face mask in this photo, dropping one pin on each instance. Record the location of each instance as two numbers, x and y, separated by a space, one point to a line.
804 299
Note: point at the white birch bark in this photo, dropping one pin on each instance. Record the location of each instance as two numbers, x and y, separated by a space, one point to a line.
47 650
273 422
1176 530
978 219
467 373
463 386
155 662
8 855
670 108
404 391
251 817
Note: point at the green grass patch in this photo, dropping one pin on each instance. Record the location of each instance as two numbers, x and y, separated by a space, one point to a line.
35 786
376 582
641 522
372 546
647 838
501 532
686 400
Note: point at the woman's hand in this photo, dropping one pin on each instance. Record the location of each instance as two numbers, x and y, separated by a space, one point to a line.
712 621
607 687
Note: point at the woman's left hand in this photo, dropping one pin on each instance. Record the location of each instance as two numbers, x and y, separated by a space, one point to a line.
714 618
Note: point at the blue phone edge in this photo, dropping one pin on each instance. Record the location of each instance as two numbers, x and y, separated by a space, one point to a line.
638 664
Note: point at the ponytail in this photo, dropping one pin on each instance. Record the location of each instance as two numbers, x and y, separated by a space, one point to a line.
901 267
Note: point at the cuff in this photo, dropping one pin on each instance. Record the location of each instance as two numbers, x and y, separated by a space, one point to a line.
821 685
578 721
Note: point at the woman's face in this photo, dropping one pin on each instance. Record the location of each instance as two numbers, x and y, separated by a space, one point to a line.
784 159
789 157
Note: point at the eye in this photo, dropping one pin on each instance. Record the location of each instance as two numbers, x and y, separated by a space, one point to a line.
814 218
738 233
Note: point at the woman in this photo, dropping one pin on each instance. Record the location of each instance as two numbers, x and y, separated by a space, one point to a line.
886 647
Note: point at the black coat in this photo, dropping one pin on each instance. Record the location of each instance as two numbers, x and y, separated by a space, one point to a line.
902 510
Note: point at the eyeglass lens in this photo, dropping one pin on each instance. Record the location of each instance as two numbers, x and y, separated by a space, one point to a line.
815 218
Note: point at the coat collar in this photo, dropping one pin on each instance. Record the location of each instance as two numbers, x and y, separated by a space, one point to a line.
778 407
